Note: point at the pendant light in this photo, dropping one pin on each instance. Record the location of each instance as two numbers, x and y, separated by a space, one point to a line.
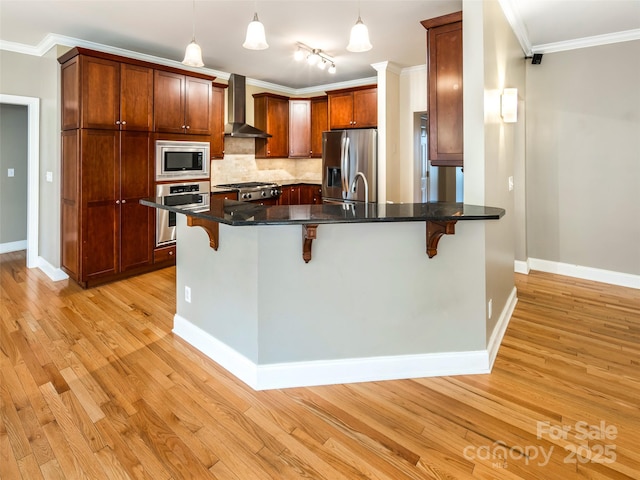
193 53
256 39
359 39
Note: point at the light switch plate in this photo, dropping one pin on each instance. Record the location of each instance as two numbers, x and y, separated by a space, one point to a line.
49 176
11 172
510 184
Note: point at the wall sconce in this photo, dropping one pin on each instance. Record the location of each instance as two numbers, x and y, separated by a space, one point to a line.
509 105
315 56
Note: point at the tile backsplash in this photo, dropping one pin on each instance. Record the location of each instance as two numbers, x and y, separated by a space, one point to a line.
240 165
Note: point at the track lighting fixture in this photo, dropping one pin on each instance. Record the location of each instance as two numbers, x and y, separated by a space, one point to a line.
315 56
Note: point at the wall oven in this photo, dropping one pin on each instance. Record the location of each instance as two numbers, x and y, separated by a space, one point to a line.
192 196
181 160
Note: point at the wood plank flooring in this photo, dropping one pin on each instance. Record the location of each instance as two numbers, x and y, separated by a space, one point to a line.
94 385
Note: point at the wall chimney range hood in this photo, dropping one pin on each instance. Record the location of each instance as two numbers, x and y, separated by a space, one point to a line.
237 103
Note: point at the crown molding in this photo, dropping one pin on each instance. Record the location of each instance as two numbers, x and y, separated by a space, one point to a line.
511 12
596 40
52 40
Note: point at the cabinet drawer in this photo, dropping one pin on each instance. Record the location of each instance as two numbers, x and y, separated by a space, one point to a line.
164 254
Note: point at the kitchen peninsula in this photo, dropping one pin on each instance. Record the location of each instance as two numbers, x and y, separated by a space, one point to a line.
285 296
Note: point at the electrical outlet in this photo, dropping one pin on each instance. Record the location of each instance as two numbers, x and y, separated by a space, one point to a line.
11 172
187 294
49 177
510 184
490 308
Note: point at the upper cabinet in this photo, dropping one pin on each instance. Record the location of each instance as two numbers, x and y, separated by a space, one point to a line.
319 123
106 94
299 128
353 108
183 104
271 114
217 120
445 115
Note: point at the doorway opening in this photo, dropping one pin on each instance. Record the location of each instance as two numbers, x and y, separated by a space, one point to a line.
33 169
434 184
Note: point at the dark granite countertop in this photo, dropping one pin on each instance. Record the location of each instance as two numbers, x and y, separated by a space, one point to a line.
235 213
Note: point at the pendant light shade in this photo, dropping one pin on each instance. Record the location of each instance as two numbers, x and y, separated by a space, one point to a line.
193 52
193 55
256 39
359 39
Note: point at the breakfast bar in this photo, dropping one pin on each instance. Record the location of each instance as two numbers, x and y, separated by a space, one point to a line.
285 296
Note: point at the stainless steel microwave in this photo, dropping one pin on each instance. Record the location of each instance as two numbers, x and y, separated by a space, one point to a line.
181 160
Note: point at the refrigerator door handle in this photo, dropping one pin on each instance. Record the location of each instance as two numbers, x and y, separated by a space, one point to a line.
344 161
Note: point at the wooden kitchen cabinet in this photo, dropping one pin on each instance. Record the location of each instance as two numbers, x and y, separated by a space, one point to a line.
319 123
353 108
218 196
299 128
444 78
217 120
271 114
301 194
106 94
106 232
182 103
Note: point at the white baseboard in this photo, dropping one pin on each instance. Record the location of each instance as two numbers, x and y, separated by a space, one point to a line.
520 266
586 273
501 327
328 372
52 272
13 246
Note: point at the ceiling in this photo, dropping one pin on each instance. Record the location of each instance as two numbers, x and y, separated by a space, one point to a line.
163 28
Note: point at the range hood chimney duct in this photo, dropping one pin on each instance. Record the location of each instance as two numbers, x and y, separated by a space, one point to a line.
237 104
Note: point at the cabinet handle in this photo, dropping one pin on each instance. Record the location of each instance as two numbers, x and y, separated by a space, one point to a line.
117 202
171 253
117 122
188 127
124 123
124 201
183 126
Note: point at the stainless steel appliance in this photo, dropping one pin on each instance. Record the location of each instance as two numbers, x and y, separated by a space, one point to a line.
181 160
251 191
349 166
192 196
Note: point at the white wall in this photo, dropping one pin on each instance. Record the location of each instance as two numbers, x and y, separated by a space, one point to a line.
583 157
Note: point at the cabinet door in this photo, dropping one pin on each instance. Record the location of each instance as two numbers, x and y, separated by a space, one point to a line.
197 106
306 194
278 127
319 124
169 102
317 195
70 94
99 166
137 234
217 122
445 95
340 110
299 128
136 98
365 108
100 93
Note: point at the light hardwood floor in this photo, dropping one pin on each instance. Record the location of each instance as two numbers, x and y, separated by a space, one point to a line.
94 385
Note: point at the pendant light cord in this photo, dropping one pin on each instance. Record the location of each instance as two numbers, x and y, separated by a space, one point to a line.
193 22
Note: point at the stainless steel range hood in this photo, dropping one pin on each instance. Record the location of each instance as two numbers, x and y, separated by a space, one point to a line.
237 103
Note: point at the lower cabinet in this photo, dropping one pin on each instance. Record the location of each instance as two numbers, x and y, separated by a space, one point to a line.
106 233
301 194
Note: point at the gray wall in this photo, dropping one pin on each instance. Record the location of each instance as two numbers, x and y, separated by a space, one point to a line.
583 157
31 76
13 190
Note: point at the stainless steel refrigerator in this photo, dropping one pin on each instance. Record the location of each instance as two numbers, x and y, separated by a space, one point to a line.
350 166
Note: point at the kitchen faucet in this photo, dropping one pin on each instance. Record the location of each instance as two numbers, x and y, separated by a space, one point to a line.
366 185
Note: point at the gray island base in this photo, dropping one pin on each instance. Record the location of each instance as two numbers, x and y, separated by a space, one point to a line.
370 306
